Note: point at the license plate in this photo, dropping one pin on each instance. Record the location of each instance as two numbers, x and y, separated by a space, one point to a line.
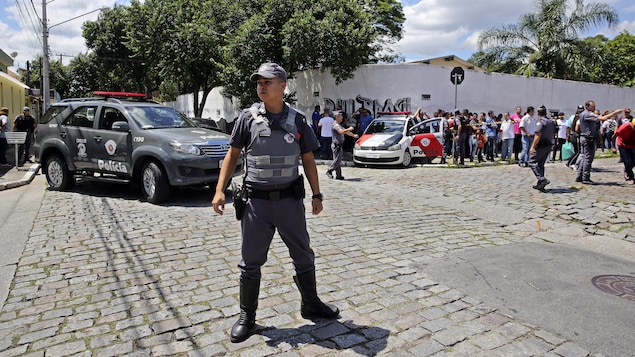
372 155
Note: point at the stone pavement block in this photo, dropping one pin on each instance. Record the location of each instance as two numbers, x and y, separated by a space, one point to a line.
426 348
66 349
449 336
438 324
37 335
512 330
122 349
569 349
171 325
490 340
329 331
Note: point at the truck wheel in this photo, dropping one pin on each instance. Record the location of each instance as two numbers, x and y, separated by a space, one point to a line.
58 175
154 183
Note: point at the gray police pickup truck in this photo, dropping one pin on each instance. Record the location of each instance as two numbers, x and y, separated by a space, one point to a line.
122 137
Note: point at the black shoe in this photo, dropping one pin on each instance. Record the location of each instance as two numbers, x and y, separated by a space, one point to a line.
339 178
588 182
540 186
246 324
329 174
578 180
312 307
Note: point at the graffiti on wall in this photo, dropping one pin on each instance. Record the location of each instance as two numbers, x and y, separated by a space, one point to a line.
372 105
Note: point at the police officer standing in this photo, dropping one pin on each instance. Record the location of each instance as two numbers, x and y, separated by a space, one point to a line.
275 137
588 139
540 148
25 123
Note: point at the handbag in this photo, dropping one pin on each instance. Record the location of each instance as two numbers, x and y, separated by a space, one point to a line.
567 150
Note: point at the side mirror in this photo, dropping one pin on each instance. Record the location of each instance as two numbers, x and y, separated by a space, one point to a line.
120 126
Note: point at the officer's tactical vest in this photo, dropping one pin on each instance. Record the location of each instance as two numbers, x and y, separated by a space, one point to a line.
272 155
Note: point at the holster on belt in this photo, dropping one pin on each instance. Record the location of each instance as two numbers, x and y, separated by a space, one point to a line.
239 195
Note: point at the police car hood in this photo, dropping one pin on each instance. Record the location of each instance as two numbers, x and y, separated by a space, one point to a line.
191 135
379 140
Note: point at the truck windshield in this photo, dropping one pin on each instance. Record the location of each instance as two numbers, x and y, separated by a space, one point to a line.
153 117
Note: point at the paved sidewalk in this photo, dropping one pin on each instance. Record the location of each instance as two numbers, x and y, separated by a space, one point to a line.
425 261
12 177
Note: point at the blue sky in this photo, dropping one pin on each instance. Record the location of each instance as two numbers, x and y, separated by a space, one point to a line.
433 28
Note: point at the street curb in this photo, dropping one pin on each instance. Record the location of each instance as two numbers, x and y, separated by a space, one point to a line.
24 180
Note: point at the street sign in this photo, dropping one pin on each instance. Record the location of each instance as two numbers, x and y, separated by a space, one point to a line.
15 137
457 75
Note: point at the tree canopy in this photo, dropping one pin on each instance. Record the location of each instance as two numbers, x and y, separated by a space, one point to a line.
172 47
546 42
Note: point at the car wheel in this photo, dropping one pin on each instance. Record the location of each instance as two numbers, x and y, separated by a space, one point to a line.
407 159
58 175
154 183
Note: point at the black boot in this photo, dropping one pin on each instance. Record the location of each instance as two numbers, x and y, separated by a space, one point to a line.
312 306
243 328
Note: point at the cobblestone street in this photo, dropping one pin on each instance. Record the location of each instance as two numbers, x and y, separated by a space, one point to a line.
105 274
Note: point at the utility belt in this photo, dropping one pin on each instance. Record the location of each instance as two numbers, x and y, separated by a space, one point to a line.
295 191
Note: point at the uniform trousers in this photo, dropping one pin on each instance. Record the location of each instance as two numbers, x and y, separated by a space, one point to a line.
628 158
587 153
537 162
336 164
258 225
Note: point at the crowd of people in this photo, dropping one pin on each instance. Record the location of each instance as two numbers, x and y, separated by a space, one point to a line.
487 136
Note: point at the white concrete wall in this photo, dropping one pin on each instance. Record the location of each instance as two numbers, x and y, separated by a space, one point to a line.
399 87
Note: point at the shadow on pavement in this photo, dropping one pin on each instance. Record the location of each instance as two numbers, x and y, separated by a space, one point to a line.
349 337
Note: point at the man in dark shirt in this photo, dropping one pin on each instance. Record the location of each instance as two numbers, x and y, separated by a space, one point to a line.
588 139
540 148
25 123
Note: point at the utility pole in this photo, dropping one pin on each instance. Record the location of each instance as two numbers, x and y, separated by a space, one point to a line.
46 95
45 52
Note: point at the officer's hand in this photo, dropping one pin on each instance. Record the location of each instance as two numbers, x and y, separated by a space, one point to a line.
218 202
316 203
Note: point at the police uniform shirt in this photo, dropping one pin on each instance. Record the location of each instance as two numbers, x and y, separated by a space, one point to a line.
241 135
588 124
337 137
547 130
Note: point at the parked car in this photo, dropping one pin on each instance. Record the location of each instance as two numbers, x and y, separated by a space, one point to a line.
397 138
122 137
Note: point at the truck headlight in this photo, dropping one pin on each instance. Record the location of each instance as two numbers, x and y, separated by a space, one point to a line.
186 148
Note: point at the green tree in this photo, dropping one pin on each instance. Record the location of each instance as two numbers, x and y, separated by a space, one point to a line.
332 35
546 41
58 76
619 68
118 66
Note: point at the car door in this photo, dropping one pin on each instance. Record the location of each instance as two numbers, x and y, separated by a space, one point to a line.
77 131
427 138
110 149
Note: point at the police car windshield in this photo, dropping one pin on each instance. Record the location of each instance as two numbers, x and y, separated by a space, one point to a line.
154 117
386 126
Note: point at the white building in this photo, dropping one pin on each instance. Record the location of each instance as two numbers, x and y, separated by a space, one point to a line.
408 86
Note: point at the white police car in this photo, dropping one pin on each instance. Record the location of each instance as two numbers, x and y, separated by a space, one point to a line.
397 138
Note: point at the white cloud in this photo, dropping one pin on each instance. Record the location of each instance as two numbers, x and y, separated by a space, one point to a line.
22 28
436 28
